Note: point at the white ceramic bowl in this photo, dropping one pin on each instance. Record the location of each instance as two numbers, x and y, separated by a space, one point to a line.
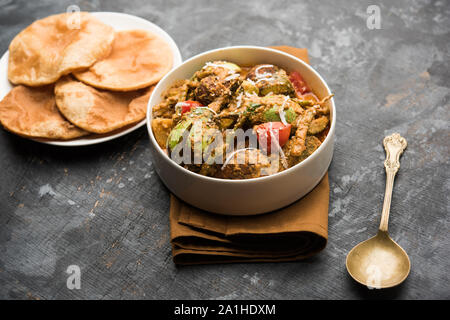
250 196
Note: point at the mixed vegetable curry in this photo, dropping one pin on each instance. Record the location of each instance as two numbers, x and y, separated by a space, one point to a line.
286 118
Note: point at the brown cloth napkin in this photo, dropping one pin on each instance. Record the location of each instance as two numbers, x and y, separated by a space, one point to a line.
292 233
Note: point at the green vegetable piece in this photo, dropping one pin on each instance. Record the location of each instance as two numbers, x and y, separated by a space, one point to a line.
225 64
177 133
281 85
273 115
290 115
226 123
305 103
200 113
249 87
231 66
253 106
205 135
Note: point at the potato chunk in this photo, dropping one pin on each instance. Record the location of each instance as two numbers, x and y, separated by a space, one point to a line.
318 125
161 129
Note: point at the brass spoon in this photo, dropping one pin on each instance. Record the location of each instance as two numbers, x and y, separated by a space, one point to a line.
380 262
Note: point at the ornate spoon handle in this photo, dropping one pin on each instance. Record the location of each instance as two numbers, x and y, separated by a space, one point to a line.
394 146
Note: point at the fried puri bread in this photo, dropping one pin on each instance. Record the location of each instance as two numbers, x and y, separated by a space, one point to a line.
32 112
138 59
57 45
99 111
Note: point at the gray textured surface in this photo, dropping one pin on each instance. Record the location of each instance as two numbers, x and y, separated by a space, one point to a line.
104 209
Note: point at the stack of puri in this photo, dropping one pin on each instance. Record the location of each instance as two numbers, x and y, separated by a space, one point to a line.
72 82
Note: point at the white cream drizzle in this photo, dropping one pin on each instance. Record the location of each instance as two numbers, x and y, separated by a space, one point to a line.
251 81
281 111
208 109
266 76
260 67
270 78
239 101
232 155
182 104
231 77
215 65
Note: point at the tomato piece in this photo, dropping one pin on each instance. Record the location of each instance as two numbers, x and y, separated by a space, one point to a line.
187 106
300 85
269 130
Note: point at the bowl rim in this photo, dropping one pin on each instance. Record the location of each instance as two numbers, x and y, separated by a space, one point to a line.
328 138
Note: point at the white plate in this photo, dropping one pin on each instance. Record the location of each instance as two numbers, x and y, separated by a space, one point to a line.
119 21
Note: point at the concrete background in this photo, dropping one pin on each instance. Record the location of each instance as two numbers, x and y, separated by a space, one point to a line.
104 208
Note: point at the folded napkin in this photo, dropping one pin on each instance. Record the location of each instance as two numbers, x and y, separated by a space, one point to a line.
292 233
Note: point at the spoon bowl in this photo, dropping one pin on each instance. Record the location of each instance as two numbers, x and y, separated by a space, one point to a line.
378 262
